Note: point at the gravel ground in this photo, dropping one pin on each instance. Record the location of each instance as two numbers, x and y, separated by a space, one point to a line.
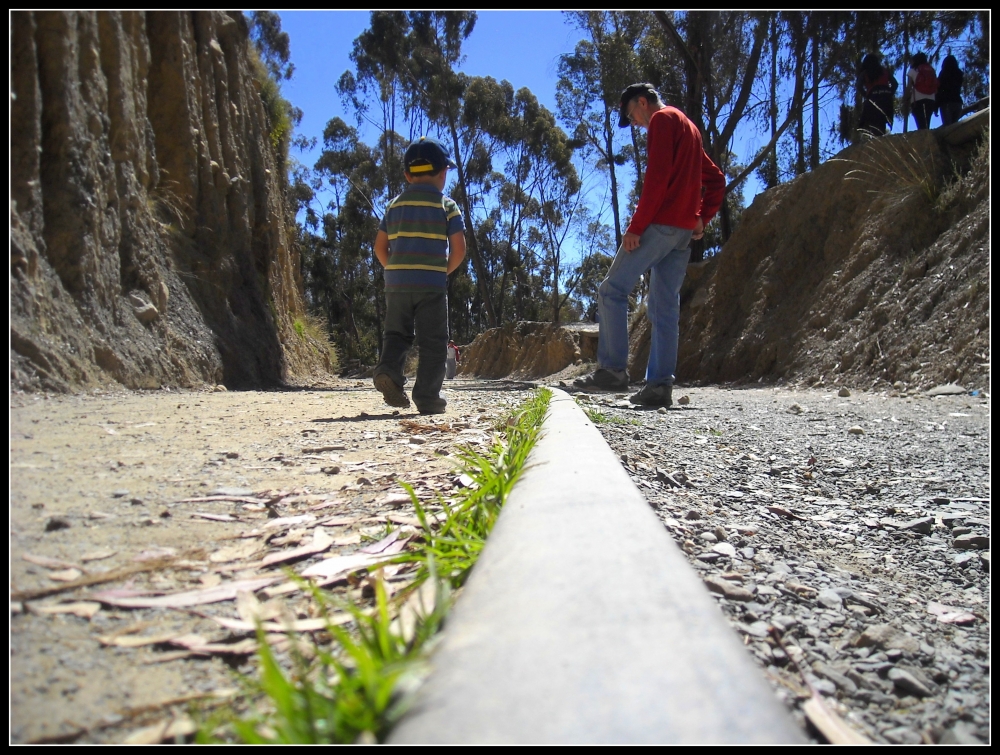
213 484
857 524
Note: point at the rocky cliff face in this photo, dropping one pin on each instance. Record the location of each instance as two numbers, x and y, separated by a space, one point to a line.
151 240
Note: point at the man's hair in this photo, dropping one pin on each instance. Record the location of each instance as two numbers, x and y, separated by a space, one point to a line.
633 91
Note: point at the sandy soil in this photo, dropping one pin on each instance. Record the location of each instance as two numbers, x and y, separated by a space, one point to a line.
98 485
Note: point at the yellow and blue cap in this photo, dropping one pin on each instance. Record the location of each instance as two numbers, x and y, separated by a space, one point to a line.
426 156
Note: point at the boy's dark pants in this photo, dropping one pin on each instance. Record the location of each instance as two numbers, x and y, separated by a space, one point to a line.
429 313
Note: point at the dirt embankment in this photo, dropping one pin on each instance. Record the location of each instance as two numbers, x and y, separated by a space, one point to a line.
150 240
873 268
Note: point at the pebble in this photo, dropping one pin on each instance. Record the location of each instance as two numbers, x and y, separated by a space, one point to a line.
725 549
923 525
728 590
844 393
966 542
57 523
902 735
908 683
829 599
856 430
887 637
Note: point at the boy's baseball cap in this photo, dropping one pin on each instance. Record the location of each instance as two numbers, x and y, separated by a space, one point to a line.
426 156
631 92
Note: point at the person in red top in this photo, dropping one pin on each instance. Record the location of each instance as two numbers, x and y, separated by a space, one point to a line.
681 192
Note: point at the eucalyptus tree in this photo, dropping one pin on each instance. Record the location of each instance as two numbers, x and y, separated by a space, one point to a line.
591 80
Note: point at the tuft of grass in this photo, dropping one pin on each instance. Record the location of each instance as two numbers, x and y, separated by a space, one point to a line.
355 689
892 167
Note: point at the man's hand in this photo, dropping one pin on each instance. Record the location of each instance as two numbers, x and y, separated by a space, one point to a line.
699 230
630 242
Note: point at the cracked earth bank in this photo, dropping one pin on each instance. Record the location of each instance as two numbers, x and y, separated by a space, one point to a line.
101 489
858 525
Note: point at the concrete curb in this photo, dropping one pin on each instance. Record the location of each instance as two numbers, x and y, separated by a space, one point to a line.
582 622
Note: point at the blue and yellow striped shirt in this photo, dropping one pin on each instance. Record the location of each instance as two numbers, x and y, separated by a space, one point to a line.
418 223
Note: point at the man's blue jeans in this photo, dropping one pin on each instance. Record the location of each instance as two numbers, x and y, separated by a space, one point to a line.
665 251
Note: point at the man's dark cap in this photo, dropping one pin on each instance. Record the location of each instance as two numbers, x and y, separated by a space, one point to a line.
631 92
426 157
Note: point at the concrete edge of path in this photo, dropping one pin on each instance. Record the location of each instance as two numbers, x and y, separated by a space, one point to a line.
582 622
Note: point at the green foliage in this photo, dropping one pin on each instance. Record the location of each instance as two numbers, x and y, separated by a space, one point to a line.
453 546
600 418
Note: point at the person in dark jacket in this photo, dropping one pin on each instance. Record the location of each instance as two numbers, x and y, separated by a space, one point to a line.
878 90
949 93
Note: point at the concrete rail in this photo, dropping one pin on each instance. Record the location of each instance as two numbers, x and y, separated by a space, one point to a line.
582 622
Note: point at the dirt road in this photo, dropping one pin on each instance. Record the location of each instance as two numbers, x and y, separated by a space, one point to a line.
102 485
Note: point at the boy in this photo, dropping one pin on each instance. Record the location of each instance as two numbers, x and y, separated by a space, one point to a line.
420 241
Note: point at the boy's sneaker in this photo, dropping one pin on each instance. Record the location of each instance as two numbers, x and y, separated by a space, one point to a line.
431 406
603 380
392 393
653 395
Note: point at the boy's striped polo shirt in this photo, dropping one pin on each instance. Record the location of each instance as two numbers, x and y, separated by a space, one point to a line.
418 223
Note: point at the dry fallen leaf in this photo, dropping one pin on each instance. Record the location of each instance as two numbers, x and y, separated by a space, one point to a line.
836 730
250 609
382 544
83 609
98 555
419 605
67 575
48 563
320 542
136 641
296 625
214 517
218 594
242 550
170 728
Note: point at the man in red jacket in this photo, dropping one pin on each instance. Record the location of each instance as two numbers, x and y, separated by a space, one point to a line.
681 192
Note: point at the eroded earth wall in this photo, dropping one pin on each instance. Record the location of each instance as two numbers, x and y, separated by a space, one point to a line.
151 240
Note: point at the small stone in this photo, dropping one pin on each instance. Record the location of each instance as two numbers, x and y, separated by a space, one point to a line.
747 553
725 549
964 559
709 537
119 493
232 455
709 556
220 389
684 400
948 389
720 533
887 637
692 514
968 542
984 559
836 677
923 525
728 590
662 410
908 683
794 409
961 733
844 393
903 735
830 599
856 430
330 470
57 523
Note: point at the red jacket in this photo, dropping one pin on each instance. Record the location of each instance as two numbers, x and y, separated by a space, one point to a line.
676 172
